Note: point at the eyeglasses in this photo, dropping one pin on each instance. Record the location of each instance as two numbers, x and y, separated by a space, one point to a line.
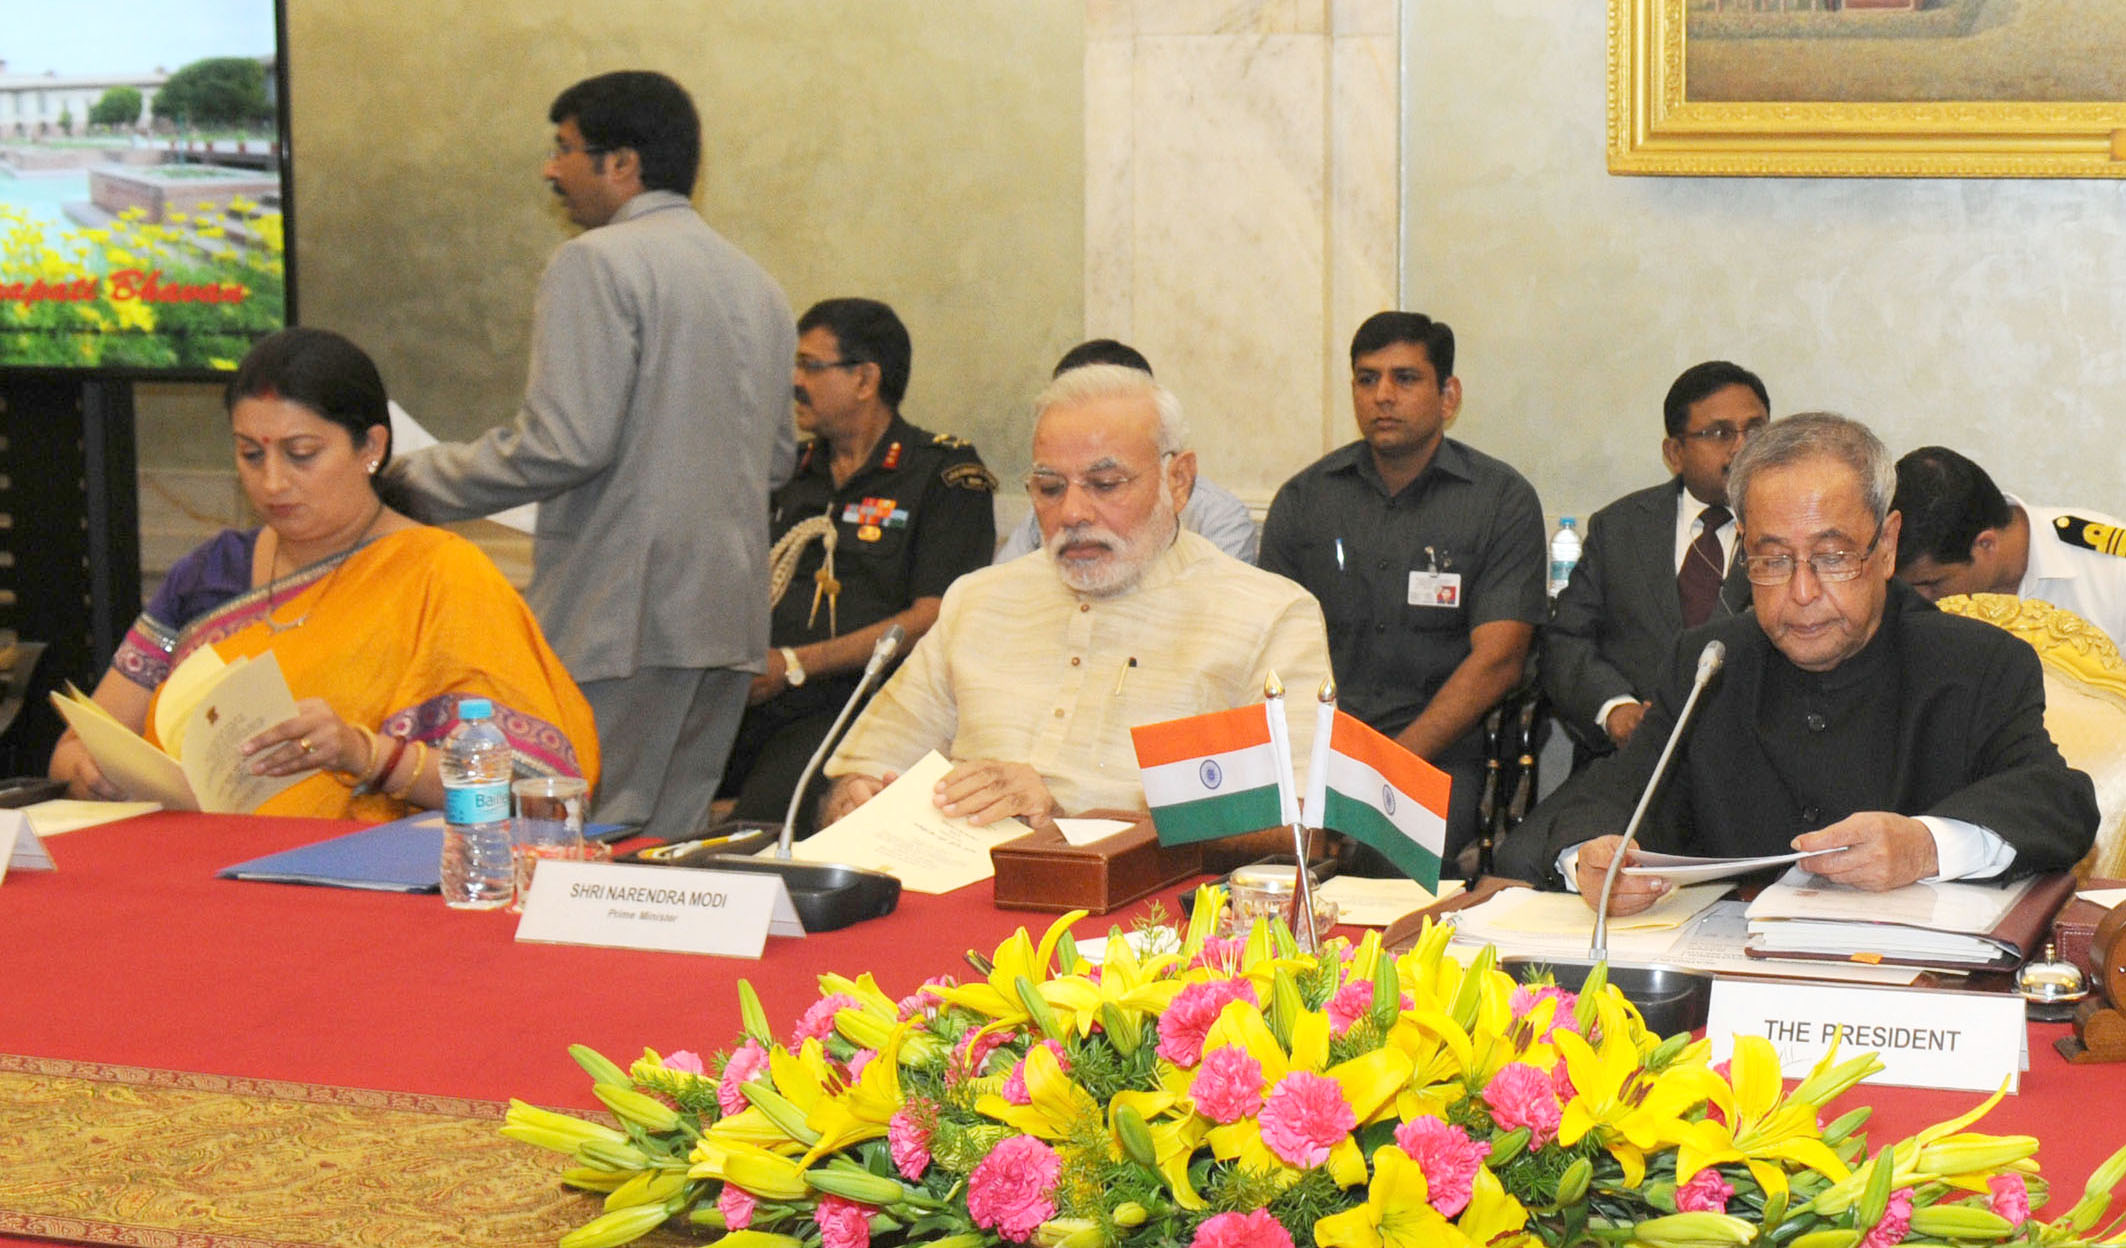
1723 434
812 368
1049 487
561 150
1830 567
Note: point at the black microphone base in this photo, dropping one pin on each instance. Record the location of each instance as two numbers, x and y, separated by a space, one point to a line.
828 896
1669 998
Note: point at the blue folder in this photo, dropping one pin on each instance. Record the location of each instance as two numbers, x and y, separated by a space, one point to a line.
403 856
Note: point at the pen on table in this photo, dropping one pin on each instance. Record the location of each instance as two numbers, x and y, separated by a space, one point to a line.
1124 674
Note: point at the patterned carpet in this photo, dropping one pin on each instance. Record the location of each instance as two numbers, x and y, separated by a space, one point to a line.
126 1155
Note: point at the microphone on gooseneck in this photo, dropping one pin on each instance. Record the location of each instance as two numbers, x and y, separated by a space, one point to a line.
880 653
1709 661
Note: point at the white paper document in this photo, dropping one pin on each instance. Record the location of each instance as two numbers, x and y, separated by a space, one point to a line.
24 851
1083 832
1688 869
66 814
408 435
902 833
2105 897
1363 902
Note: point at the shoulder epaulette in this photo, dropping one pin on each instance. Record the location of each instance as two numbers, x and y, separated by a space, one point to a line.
2105 539
970 476
949 442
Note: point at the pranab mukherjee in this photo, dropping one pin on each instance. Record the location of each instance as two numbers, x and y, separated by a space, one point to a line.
1851 715
1038 668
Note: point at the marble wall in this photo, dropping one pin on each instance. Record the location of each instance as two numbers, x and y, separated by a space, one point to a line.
1985 315
929 154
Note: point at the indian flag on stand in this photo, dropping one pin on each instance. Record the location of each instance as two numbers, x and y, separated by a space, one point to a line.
1382 795
1209 775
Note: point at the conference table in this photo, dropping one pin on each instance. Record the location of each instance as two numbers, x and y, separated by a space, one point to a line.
132 973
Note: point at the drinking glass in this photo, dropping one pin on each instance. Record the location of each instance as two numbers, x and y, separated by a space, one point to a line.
549 824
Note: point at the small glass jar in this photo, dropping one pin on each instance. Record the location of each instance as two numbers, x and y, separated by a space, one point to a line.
1264 890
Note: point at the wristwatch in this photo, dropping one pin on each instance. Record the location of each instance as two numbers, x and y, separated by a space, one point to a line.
793 672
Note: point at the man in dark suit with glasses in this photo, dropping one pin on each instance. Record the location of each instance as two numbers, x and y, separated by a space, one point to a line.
1851 716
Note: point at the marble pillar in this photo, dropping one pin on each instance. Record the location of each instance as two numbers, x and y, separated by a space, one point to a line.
1241 211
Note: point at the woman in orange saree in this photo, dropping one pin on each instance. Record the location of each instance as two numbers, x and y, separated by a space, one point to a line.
382 626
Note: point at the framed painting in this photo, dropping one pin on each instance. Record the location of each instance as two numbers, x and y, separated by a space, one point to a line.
1868 88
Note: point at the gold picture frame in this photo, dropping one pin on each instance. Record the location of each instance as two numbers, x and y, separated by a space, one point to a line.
1655 127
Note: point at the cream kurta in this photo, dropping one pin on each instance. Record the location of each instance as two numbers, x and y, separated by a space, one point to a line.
1021 668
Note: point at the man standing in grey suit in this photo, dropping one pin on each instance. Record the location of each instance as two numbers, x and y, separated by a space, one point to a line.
1657 561
655 421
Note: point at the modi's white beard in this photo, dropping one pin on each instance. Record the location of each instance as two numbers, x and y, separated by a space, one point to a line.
1127 558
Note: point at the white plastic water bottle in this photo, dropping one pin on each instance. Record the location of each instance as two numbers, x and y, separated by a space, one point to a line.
1564 553
477 871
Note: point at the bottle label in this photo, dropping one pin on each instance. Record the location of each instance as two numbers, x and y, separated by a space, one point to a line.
475 804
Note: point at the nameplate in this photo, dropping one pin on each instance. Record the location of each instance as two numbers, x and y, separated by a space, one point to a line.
26 851
1955 1041
674 909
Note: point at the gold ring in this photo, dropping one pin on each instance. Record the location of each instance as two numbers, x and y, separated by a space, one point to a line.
307 747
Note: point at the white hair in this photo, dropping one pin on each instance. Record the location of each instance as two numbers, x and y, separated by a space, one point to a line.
1095 382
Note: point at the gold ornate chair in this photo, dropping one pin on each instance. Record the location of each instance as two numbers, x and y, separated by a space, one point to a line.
2085 704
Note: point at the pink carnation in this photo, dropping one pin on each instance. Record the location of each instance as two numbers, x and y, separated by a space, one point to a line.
1520 1095
1013 1189
1525 999
1561 1083
1305 1116
1219 953
1255 1229
1896 1220
1228 1085
842 1222
923 1000
1190 1015
973 1051
1706 1192
857 1061
1351 1003
748 1063
736 1205
909 1142
1015 1082
685 1061
1448 1158
818 1020
2011 1197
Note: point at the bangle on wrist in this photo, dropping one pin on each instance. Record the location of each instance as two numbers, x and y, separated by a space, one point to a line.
355 777
413 776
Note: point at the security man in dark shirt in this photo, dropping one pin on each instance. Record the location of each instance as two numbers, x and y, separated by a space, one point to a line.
1426 555
878 520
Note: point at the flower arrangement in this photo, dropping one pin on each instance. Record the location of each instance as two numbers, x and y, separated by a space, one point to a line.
1239 1093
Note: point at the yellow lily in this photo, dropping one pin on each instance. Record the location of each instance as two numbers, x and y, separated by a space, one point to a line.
1131 987
998 997
1175 1138
1398 1212
1762 1129
864 1109
1057 1104
1628 1109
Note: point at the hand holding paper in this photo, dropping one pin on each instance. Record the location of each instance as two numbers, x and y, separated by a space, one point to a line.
901 832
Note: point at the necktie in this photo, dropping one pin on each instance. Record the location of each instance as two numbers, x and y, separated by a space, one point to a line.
1698 583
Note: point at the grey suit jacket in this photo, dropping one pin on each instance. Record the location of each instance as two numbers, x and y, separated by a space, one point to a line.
1614 627
655 422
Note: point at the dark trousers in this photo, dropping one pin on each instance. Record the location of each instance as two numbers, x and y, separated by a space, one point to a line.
775 741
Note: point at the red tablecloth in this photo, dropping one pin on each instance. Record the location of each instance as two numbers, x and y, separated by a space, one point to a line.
133 953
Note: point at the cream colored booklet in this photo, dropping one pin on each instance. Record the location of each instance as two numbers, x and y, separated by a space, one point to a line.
207 711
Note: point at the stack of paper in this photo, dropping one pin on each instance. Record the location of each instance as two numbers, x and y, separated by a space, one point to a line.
1925 924
1526 923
